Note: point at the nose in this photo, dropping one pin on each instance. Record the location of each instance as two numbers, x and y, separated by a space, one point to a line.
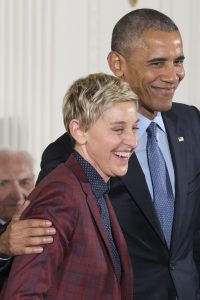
131 139
17 192
172 73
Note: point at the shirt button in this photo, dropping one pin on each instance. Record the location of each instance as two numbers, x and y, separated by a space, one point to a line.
172 267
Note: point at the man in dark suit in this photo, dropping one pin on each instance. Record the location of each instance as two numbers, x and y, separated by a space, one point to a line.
89 258
147 52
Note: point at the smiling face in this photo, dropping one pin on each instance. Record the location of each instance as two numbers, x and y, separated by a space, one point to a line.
16 181
154 69
110 141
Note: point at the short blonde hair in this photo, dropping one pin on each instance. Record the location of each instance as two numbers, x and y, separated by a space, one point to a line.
89 97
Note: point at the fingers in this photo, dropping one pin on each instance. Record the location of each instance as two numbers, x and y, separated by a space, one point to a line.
29 228
32 245
27 241
26 236
37 241
29 250
36 223
38 231
31 222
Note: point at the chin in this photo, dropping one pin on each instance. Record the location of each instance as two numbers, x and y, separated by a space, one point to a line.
122 173
165 107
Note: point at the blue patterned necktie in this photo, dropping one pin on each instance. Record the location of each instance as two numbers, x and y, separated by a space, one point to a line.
163 197
106 222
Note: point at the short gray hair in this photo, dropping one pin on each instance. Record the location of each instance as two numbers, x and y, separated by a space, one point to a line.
23 154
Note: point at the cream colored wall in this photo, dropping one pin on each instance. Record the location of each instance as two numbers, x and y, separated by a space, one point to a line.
46 44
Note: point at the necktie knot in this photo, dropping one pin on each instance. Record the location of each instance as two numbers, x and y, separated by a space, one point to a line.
151 130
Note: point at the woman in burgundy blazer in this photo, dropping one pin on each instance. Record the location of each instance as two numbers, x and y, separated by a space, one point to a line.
79 264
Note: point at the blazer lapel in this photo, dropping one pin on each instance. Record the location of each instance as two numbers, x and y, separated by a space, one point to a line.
93 207
91 201
127 275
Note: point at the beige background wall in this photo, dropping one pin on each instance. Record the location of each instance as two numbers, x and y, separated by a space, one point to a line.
46 44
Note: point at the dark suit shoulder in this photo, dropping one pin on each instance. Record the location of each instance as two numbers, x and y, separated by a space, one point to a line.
55 153
182 109
187 116
60 149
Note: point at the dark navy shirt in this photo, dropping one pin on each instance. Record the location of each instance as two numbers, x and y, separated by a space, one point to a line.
100 188
98 185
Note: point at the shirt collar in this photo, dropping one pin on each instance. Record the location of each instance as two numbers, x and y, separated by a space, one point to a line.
98 185
145 122
2 222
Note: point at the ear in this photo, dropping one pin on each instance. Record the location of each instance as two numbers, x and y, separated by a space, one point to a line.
77 132
115 62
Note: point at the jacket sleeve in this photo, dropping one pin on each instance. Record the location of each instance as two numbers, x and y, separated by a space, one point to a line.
37 273
5 260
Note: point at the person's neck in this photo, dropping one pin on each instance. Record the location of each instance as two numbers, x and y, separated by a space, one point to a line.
149 114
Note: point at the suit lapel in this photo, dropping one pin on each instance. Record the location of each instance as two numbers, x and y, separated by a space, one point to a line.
136 184
177 138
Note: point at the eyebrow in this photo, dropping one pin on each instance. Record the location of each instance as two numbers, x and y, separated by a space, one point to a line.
122 122
5 179
162 59
18 179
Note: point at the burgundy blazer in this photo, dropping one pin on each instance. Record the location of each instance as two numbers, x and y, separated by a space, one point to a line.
78 265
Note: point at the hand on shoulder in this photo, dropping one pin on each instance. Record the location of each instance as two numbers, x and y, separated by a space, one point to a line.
25 236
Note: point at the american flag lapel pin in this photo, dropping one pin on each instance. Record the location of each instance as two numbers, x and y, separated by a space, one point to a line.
180 138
